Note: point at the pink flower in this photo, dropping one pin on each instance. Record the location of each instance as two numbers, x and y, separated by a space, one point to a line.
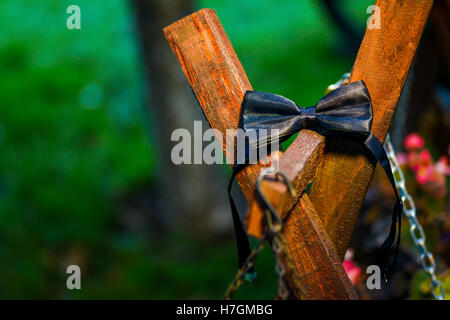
430 175
424 174
442 166
413 141
425 157
352 270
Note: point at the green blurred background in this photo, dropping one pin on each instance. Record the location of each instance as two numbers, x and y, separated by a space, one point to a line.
77 145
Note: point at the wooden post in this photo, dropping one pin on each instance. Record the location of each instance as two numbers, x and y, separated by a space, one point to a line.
383 62
319 268
219 83
313 268
215 74
299 163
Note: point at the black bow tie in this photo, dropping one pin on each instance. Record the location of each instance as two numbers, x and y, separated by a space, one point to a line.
346 110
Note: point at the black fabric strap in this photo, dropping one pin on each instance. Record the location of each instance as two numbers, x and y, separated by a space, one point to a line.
376 148
242 243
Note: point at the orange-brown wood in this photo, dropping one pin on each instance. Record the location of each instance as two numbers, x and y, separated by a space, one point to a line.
314 270
383 62
215 75
219 83
319 273
299 164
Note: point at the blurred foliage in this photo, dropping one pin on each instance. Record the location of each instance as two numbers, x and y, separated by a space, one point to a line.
72 141
421 286
289 47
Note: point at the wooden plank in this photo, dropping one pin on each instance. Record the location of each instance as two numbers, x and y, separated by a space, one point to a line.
320 274
314 270
299 164
209 62
219 83
216 76
383 62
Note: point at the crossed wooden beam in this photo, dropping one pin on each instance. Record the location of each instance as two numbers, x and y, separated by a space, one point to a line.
318 226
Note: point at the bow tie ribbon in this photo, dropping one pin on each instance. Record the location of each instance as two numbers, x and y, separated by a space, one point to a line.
346 110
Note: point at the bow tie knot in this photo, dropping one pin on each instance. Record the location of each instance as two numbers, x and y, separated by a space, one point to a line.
308 118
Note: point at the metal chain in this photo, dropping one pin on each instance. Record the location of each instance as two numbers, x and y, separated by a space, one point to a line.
276 239
416 230
278 250
273 236
409 209
343 81
284 268
240 276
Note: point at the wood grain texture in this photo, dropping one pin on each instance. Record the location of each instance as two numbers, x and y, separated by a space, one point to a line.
219 83
315 270
320 270
383 62
215 75
299 164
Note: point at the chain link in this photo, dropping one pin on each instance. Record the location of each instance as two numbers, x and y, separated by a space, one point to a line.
240 276
284 263
274 236
278 250
343 81
409 210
